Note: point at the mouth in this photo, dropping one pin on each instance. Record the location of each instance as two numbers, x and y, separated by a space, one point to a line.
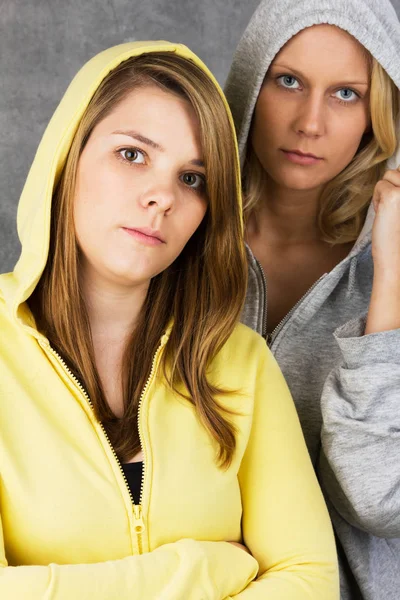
145 235
303 158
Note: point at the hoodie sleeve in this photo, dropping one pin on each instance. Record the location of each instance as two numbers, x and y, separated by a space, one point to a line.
360 468
184 570
285 521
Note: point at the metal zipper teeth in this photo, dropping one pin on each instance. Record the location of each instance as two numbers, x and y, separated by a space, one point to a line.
264 280
86 396
142 445
272 336
281 323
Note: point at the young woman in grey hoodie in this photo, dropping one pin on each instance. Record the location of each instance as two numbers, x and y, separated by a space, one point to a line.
314 91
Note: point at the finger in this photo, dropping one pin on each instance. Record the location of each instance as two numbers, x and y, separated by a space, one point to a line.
393 176
385 190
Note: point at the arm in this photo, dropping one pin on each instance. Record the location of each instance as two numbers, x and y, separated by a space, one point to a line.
361 430
285 522
360 403
185 570
384 308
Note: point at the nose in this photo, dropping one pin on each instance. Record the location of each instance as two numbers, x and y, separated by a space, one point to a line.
159 197
311 119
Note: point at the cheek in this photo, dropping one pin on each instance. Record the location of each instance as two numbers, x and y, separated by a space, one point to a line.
94 215
194 218
268 127
99 198
347 135
188 222
268 116
86 212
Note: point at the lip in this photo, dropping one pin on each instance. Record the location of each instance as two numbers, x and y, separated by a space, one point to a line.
145 235
301 158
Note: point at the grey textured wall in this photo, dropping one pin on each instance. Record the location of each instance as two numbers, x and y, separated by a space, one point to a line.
44 42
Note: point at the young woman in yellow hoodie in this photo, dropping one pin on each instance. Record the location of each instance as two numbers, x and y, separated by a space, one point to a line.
142 428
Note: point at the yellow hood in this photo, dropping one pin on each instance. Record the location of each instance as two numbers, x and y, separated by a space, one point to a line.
35 203
68 526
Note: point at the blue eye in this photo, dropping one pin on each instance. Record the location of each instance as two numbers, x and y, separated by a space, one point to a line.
289 82
346 95
133 155
193 180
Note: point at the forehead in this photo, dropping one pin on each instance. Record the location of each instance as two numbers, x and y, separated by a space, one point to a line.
327 51
150 101
144 110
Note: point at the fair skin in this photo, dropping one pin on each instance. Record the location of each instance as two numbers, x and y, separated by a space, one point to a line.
137 170
306 106
384 311
315 100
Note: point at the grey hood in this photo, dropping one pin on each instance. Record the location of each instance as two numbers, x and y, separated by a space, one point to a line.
345 384
373 23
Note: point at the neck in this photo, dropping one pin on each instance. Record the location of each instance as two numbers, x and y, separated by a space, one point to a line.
286 216
113 310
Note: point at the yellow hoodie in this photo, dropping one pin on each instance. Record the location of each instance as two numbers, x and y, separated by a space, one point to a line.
68 527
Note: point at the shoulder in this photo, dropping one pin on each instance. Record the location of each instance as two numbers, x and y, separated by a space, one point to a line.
246 367
244 340
245 352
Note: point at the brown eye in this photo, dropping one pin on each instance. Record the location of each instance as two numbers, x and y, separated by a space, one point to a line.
133 155
193 180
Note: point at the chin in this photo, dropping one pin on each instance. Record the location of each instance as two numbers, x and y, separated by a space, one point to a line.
304 187
128 280
301 182
127 275
137 274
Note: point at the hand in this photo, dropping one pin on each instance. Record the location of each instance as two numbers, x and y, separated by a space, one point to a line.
386 228
240 546
384 308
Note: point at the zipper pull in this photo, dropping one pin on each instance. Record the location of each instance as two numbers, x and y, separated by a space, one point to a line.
268 339
137 518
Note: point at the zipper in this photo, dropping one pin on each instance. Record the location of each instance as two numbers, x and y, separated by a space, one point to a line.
271 337
138 521
142 395
264 319
137 508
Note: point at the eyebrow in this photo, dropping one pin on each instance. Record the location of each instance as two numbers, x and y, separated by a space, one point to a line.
299 74
197 161
141 138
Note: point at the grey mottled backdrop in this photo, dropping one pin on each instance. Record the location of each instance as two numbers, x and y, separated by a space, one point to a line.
44 42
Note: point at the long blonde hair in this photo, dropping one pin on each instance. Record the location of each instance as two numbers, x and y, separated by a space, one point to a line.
202 292
345 200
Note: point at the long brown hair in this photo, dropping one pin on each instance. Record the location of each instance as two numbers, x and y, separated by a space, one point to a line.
202 292
345 200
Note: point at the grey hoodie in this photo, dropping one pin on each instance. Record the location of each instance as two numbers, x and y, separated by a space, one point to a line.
346 386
